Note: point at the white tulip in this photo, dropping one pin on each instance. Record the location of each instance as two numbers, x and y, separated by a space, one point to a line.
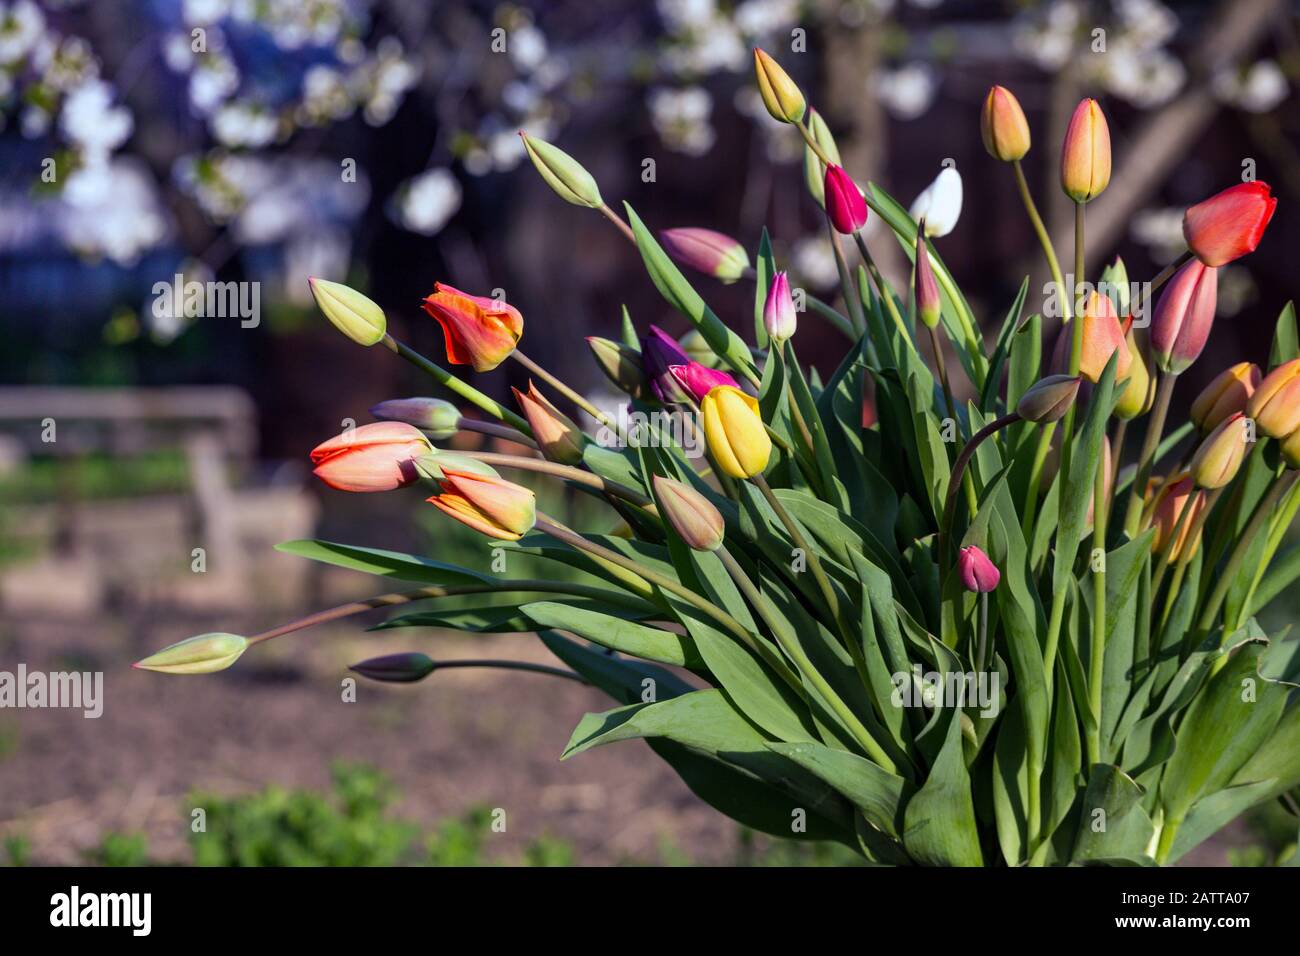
940 203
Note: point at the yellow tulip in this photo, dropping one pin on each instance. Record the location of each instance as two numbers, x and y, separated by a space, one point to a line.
735 432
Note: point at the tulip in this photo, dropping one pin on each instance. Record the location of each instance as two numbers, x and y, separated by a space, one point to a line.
779 318
1228 393
659 353
1103 336
812 164
621 365
1048 399
1229 224
929 308
351 312
1275 406
1003 126
690 514
977 572
1177 494
204 654
494 506
1140 394
479 330
781 96
1183 317
939 205
375 457
1085 155
1219 456
844 202
441 419
396 668
699 380
735 432
558 438
1291 449
562 173
704 250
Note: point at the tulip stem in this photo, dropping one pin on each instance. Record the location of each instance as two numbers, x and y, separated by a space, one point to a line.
512 666
1146 459
882 290
955 479
1184 555
1097 646
941 364
454 384
617 220
813 144
849 289
1117 450
1160 279
1044 239
568 473
982 659
504 432
1044 446
564 390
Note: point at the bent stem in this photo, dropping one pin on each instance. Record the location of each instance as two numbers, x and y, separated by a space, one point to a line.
1146 459
504 432
454 384
564 390
575 475
617 220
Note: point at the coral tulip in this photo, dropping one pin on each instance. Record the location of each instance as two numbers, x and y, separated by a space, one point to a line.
494 506
1176 495
977 572
1103 336
557 436
375 457
479 330
1085 155
1229 224
1003 125
1228 393
735 432
1184 316
1275 406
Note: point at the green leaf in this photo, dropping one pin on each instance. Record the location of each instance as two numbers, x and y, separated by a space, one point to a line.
878 794
393 564
765 269
1010 329
627 637
939 821
1286 340
1112 824
626 681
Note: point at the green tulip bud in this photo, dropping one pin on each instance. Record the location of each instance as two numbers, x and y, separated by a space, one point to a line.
563 173
204 654
352 313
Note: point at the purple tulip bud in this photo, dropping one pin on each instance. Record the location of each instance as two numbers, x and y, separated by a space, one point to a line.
659 353
396 668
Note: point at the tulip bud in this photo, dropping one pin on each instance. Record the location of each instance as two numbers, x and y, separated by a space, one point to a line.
1114 283
1085 155
376 457
621 365
441 419
1219 456
1103 336
779 318
1229 224
735 432
1003 126
1228 393
1291 449
699 380
1048 399
1176 494
204 654
929 307
351 312
396 668
1140 394
844 203
1275 406
556 435
1183 317
479 330
563 173
659 353
691 515
781 96
939 206
812 164
494 506
713 253
978 573
431 466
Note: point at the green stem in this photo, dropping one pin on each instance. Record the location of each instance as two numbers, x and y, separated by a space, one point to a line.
564 390
454 384
1146 459
848 288
1044 446
882 290
1097 647
495 429
575 475
617 220
1040 230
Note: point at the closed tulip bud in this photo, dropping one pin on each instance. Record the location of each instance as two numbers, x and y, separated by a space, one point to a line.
1219 456
1291 449
781 96
621 365
977 572
713 253
1085 155
204 654
929 307
659 353
1275 406
479 330
779 317
1103 336
1140 393
494 506
939 206
375 457
735 432
351 312
699 380
1228 393
558 438
812 164
396 668
691 515
562 173
1003 125
1184 316
844 203
441 419
1177 494
1048 399
1229 224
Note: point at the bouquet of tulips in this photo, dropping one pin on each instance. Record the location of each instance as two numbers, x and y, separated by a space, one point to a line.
853 608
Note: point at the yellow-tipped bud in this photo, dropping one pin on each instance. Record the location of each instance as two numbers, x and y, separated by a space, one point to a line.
690 514
1085 155
1140 393
1219 457
781 96
1003 125
352 313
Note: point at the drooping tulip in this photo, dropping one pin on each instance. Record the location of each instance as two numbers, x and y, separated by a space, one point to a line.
436 416
659 353
1048 399
558 438
779 317
712 253
1228 393
1275 406
562 172
494 506
844 203
1085 155
929 307
352 313
699 380
376 457
1140 393
1175 495
1229 224
690 514
939 204
782 97
480 331
978 573
1219 456
734 429
1183 317
1003 125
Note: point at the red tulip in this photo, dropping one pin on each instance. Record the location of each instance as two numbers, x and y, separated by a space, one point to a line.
1230 224
1183 316
844 203
376 457
977 572
479 330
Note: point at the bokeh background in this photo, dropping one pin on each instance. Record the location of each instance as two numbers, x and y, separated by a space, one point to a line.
374 142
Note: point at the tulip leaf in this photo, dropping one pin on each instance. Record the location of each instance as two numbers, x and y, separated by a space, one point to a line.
1112 823
765 269
880 795
1286 339
1001 350
393 564
503 618
939 820
1212 813
1011 785
626 681
627 637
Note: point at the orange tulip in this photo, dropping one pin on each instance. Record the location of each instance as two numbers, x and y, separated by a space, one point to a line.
1085 155
1275 406
376 457
494 506
1103 336
557 436
1179 494
1228 393
1219 456
1003 125
479 330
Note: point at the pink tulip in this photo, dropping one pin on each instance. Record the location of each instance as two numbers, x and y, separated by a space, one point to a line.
977 572
376 457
